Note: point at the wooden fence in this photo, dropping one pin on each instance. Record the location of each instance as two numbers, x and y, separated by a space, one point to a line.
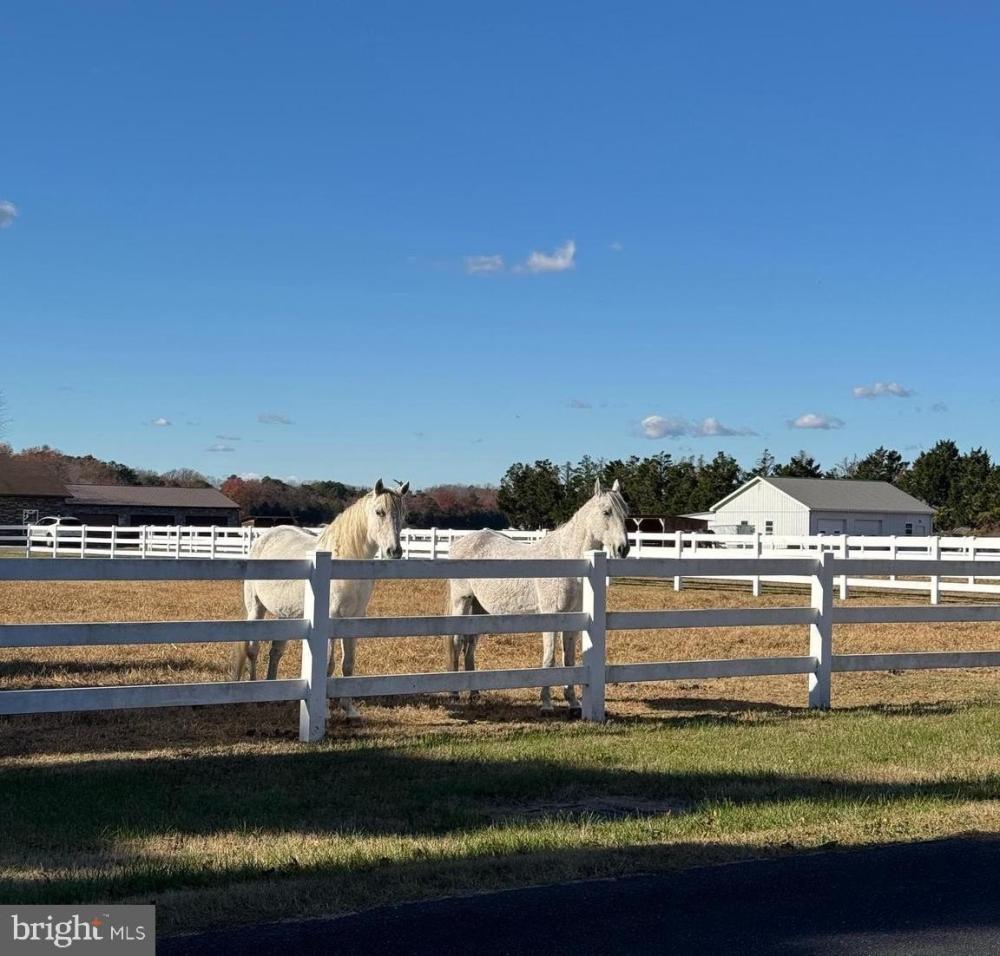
313 688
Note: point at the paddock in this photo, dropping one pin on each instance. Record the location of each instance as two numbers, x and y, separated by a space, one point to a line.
219 815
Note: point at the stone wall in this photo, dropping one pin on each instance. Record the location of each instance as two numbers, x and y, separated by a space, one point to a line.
12 507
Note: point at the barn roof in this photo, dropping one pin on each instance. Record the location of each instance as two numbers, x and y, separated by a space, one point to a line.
146 496
29 480
840 494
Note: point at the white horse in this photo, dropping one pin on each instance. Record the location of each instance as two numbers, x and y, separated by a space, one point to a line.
598 525
370 525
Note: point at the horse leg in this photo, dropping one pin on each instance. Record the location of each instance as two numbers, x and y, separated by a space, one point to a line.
469 649
569 660
350 645
548 660
247 650
277 649
460 603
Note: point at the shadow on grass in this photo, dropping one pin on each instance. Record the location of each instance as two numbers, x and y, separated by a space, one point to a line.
88 813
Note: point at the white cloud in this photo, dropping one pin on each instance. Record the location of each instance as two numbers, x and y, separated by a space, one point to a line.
8 213
616 247
483 265
273 418
558 261
713 428
811 420
880 389
229 437
250 476
579 403
220 448
656 426
161 422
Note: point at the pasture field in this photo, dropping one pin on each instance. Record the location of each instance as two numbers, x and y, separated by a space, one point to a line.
219 815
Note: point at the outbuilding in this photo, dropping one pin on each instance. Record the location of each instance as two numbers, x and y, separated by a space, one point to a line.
806 506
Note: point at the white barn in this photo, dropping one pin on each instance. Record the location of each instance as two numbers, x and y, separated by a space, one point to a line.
821 506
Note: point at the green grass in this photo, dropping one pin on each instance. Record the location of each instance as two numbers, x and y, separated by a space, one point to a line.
276 828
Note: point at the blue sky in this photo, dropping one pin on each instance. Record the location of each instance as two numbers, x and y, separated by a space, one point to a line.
413 240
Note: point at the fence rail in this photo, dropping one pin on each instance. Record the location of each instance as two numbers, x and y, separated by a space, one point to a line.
313 688
191 542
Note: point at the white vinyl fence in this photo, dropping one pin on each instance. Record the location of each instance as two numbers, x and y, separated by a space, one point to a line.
313 688
213 542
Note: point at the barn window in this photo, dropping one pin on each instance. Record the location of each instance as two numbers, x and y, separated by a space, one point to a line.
909 527
768 527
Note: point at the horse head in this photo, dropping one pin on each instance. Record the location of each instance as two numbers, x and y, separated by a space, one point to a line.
605 516
385 509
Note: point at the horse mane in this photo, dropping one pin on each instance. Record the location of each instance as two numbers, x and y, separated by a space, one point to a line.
347 535
617 502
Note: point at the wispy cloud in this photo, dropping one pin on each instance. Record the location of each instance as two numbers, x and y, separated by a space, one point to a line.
220 448
812 420
483 265
273 418
673 426
881 389
713 428
560 260
939 407
8 213
161 422
616 247
578 403
229 437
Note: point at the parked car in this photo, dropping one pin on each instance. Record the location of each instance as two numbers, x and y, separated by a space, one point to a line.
66 527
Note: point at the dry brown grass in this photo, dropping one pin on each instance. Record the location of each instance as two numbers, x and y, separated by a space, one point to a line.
142 601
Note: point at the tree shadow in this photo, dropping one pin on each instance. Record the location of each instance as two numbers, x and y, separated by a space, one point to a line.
96 810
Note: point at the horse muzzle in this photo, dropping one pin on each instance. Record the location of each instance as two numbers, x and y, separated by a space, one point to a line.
396 552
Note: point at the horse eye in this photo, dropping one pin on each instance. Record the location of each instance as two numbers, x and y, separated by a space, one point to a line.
380 513
607 514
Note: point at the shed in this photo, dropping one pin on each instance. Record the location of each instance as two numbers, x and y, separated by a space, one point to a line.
805 506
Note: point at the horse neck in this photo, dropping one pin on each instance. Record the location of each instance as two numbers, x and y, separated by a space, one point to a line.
347 535
571 540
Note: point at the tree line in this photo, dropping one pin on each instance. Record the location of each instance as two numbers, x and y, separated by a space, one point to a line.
963 488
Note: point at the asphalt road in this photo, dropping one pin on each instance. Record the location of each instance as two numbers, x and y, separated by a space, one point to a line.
936 898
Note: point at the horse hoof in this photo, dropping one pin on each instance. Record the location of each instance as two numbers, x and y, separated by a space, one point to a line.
547 711
575 712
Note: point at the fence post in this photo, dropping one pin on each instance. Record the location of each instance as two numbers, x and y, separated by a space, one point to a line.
595 606
142 541
177 543
821 632
755 580
211 546
316 649
114 539
83 541
935 554
434 543
892 553
678 553
972 557
844 554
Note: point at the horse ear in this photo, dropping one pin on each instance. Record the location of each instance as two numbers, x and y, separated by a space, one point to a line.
379 487
617 486
404 488
597 486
